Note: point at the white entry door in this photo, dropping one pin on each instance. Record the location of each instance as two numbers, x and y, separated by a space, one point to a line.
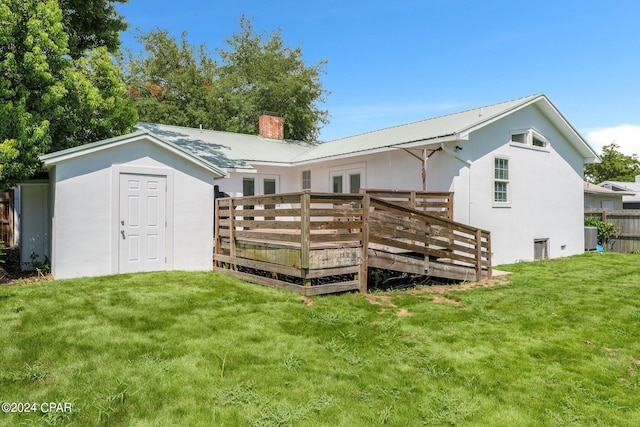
142 223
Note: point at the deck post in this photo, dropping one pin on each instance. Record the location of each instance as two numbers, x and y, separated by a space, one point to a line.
305 237
450 206
363 273
489 270
216 231
478 255
232 233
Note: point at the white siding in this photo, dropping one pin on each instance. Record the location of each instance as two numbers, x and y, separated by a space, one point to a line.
546 190
85 218
545 185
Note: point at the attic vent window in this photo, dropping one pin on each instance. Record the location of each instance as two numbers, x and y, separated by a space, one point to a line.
538 141
519 137
530 138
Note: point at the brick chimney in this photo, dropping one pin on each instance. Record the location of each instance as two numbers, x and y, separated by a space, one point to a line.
271 125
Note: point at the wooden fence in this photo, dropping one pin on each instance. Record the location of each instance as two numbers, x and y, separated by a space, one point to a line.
7 218
627 223
316 243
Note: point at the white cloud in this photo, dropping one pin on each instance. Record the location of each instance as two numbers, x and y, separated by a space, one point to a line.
626 136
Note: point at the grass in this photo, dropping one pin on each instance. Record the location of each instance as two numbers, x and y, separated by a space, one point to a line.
557 346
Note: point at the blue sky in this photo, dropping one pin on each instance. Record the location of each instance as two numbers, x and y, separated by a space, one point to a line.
394 62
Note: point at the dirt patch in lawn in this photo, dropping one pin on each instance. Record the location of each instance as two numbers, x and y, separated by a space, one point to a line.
385 303
447 301
441 289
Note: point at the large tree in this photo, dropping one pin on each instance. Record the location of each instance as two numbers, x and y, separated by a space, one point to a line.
33 46
259 73
613 166
172 82
47 99
91 24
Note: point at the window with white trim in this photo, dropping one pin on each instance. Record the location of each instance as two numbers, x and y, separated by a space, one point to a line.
306 180
501 180
347 179
529 137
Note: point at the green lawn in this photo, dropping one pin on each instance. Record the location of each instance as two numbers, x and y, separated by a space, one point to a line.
558 345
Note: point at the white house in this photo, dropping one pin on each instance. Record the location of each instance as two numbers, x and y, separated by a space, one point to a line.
515 168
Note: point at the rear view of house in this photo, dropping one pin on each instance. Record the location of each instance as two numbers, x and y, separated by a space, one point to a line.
145 201
515 169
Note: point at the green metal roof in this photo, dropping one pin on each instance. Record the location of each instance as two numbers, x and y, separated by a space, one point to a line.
227 149
217 149
58 156
456 125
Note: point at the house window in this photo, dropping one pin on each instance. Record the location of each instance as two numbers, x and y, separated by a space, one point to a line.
538 140
336 183
248 189
248 186
306 180
354 182
530 138
269 187
501 180
607 204
519 137
347 179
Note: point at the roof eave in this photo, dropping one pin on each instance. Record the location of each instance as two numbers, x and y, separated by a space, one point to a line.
408 144
52 159
586 151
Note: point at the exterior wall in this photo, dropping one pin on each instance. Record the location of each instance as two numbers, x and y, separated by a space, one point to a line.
545 185
545 190
34 222
390 169
595 201
85 212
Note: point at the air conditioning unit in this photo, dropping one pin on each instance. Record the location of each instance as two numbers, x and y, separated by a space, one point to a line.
590 238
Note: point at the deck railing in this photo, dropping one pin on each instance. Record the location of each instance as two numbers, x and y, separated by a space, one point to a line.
431 202
319 243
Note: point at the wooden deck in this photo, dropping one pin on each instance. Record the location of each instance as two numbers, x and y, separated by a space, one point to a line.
317 243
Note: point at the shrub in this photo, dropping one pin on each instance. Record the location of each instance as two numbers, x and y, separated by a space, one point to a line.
605 230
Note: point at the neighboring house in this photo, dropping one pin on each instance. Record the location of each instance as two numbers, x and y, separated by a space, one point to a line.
516 169
630 192
597 197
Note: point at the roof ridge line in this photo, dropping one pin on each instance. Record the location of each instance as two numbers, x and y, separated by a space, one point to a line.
438 117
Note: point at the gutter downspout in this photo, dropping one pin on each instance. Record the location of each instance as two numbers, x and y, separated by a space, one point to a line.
468 163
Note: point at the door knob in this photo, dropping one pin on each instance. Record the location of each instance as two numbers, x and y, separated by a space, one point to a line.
122 232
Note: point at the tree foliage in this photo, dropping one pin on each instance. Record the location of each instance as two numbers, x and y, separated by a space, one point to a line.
172 82
91 24
33 46
49 101
95 106
614 166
